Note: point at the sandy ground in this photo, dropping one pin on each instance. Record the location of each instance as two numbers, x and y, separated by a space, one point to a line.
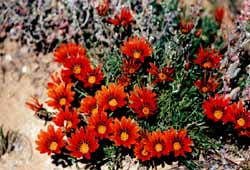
22 74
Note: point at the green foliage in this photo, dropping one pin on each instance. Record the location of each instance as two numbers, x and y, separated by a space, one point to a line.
112 66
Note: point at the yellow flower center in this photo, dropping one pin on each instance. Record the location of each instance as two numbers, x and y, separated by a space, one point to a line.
241 122
69 124
177 146
136 54
124 136
94 111
101 129
77 69
162 76
184 30
62 101
204 89
92 79
84 148
144 152
158 147
53 146
207 64
145 110
113 102
218 114
131 70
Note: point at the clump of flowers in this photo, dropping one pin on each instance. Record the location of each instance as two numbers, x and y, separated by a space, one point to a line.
106 115
149 100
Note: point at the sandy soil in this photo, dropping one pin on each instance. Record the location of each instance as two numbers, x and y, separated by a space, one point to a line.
22 74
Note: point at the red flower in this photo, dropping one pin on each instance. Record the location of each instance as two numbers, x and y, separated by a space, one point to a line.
178 142
122 19
219 14
34 104
157 144
89 105
237 114
50 141
123 80
130 66
91 77
141 152
57 79
69 50
143 102
100 124
68 119
82 144
103 8
163 75
60 96
125 132
207 86
76 66
136 48
215 108
208 59
112 97
186 26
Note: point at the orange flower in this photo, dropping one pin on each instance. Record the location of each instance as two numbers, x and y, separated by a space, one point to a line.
136 48
219 14
208 59
76 66
141 152
163 75
157 144
178 142
130 66
238 115
60 96
91 77
69 50
67 119
123 80
100 124
215 108
103 8
143 102
112 97
82 144
34 104
88 105
207 86
186 26
125 132
57 79
50 141
122 19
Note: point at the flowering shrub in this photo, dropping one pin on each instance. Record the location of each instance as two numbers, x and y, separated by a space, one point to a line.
151 98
